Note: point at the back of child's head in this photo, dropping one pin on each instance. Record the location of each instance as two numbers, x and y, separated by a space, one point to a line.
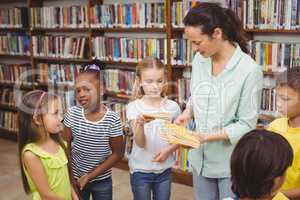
32 107
290 78
258 158
147 63
95 68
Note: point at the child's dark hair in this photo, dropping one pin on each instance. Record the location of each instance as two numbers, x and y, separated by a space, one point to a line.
259 157
94 67
208 16
33 104
290 78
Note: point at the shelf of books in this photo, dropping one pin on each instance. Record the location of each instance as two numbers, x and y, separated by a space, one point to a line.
55 40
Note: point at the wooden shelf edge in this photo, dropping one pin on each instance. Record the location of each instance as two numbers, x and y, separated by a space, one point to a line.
7 134
59 59
178 176
15 56
12 85
38 30
128 30
9 108
267 31
14 29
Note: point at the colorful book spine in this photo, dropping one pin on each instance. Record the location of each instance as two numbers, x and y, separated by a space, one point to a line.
119 81
60 17
14 73
16 17
274 56
277 14
60 46
7 97
9 120
181 52
129 15
181 8
128 49
56 74
14 44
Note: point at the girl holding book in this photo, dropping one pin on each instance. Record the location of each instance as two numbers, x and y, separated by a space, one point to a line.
226 84
151 158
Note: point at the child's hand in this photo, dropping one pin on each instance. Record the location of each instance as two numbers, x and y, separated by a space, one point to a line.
140 120
183 119
83 181
161 156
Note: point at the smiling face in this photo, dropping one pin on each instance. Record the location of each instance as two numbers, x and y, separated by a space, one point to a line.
288 101
88 91
202 43
152 81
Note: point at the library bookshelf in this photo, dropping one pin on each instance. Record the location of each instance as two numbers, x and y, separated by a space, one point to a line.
87 30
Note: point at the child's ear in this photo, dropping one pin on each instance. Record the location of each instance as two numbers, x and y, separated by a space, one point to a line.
36 120
277 183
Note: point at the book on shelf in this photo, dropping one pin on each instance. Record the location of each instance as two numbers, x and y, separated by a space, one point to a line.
7 97
56 74
8 120
14 44
59 46
128 15
277 14
274 56
181 8
16 73
268 103
16 17
181 52
182 91
119 81
128 49
60 17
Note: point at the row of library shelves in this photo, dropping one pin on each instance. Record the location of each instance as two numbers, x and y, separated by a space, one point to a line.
258 15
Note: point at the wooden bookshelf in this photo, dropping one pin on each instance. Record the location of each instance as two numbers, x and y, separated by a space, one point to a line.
68 30
129 30
8 108
11 56
270 31
14 29
60 60
117 95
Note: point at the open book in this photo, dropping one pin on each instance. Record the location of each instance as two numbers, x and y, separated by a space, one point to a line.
179 135
159 115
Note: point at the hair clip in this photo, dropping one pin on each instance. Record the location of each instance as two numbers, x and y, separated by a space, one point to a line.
92 67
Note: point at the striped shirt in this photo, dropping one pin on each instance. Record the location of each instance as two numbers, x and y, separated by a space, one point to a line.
90 145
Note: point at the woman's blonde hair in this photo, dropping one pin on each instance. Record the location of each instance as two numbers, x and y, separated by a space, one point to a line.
147 63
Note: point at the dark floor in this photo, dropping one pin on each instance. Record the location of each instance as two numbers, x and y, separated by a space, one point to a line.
11 187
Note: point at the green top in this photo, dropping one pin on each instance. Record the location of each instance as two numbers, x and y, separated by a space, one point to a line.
228 101
56 168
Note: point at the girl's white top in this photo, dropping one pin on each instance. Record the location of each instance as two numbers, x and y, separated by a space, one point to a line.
140 159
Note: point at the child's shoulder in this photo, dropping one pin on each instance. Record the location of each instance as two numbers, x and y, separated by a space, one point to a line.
279 125
32 149
172 104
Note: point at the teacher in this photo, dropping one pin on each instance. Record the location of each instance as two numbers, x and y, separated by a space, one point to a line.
226 86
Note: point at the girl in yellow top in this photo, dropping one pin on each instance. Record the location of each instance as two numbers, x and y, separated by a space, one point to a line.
258 165
42 153
288 104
